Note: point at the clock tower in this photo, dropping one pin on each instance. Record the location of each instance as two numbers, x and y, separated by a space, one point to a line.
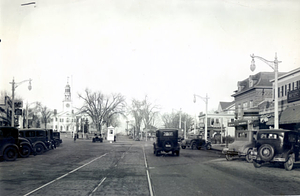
67 103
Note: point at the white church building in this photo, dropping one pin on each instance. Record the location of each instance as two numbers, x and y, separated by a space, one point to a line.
65 120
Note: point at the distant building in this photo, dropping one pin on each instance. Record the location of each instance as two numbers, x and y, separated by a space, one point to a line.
65 120
5 111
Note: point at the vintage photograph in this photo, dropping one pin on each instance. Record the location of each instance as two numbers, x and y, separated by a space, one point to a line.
154 98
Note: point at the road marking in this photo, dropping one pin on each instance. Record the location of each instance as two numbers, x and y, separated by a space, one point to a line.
65 175
148 175
98 186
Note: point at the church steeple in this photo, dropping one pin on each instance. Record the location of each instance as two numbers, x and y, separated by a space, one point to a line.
68 91
67 103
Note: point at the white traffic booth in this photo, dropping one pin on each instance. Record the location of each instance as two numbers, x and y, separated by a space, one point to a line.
110 134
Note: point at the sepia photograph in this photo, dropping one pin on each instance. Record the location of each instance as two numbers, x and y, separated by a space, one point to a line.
151 98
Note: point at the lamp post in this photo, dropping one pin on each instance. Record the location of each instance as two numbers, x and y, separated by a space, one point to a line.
14 86
274 66
205 99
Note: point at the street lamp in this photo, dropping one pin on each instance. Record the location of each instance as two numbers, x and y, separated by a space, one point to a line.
14 86
274 66
205 99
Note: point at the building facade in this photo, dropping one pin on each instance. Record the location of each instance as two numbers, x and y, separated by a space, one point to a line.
65 120
288 102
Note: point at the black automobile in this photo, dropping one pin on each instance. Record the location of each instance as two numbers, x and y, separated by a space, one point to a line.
195 142
40 138
166 141
11 145
97 138
276 146
56 138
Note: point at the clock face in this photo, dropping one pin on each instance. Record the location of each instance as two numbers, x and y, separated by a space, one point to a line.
67 105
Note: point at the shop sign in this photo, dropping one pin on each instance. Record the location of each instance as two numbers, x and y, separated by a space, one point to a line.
293 95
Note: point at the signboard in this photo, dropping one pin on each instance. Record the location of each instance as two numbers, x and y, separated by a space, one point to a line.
293 95
18 104
18 111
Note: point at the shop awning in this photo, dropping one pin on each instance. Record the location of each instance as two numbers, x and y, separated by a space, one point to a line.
288 116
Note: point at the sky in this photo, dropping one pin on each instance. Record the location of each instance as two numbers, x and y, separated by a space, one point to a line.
167 50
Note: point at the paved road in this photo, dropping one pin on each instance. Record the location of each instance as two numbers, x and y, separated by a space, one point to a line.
130 168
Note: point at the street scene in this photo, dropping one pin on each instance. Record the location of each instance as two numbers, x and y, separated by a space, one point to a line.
128 167
150 98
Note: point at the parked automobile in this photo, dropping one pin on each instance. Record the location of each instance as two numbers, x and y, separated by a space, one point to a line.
276 146
97 139
57 139
195 142
166 141
242 145
11 145
38 137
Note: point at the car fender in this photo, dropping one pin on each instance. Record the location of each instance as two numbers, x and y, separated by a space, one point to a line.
39 142
8 145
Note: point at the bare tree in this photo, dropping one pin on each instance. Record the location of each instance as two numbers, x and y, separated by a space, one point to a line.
102 108
143 112
46 114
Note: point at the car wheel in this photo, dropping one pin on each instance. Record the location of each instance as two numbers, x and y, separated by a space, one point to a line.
25 151
290 163
229 157
157 152
256 164
194 146
249 157
183 147
208 146
39 148
266 152
10 154
177 153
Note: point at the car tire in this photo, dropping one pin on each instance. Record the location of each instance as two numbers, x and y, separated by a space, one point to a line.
25 151
39 148
266 152
208 147
288 165
10 154
157 152
177 153
248 157
229 157
194 146
256 164
183 147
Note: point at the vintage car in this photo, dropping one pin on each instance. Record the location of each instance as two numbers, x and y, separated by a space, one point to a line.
166 141
97 138
11 145
40 138
56 138
195 142
242 145
276 146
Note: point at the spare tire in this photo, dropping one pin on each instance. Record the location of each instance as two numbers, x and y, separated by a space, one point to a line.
168 145
266 152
